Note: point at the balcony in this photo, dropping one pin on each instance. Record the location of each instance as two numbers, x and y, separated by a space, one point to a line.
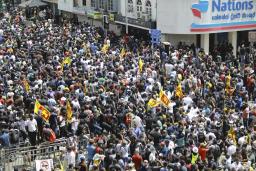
81 10
51 1
136 22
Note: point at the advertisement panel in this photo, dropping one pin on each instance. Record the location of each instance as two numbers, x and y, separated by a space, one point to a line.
206 16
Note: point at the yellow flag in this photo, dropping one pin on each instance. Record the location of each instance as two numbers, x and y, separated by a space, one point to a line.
152 103
67 60
248 138
164 98
37 106
122 54
228 81
232 135
26 85
178 91
44 112
85 89
61 166
141 63
69 111
104 48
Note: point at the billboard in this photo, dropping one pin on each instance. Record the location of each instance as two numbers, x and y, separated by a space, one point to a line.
206 16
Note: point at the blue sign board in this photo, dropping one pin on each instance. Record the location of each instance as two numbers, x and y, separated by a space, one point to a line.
155 36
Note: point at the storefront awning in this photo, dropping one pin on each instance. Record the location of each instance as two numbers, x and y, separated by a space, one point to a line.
32 3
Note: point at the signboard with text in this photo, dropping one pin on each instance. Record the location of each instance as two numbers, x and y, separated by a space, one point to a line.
205 16
214 15
45 165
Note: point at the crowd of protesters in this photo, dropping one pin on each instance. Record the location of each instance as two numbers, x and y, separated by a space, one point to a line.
109 81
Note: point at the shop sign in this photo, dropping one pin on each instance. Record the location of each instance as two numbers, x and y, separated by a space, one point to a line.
218 15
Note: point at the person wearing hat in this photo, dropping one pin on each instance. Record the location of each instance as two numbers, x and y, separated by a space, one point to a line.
194 155
82 164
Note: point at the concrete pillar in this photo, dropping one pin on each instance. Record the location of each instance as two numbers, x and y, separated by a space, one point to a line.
216 39
232 38
205 42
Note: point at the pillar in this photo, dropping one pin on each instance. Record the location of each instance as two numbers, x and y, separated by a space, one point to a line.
205 42
232 38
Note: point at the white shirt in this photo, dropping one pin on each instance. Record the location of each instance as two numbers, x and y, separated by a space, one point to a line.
22 125
32 125
125 151
71 158
152 156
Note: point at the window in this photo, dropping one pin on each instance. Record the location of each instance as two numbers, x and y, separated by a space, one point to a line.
75 2
110 5
149 9
130 6
93 3
84 2
101 5
139 8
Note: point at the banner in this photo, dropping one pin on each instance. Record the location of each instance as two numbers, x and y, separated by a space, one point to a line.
45 165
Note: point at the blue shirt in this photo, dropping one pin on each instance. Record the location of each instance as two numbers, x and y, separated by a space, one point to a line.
5 139
91 151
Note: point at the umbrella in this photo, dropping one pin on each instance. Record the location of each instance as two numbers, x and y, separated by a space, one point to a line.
32 3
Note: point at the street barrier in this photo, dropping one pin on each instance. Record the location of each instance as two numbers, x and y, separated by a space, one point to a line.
17 158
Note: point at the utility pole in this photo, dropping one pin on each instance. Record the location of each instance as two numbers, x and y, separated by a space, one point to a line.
126 18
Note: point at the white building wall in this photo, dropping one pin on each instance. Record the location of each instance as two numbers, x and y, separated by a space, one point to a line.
65 5
133 14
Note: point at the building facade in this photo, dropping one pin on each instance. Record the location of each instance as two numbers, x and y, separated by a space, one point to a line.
91 11
206 22
139 14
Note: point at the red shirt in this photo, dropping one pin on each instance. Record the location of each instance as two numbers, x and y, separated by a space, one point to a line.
202 152
137 160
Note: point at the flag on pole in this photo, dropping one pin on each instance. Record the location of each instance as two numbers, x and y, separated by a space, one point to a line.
178 91
26 85
37 106
44 112
141 63
105 48
153 103
69 111
67 60
232 134
61 166
228 81
122 54
164 98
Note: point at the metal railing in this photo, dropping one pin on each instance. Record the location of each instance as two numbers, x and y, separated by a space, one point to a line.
138 22
24 157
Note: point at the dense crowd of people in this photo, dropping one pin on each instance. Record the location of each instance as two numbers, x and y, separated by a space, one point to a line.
110 89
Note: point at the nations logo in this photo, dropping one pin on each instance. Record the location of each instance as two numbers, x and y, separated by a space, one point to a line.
200 7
